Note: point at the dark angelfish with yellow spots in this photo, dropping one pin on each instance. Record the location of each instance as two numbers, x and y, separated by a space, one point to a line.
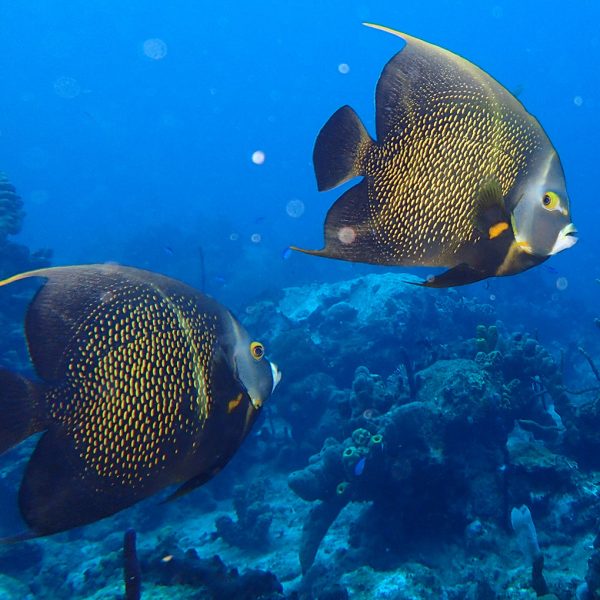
461 175
144 383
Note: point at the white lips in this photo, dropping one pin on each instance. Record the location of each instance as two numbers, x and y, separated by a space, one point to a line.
276 375
566 238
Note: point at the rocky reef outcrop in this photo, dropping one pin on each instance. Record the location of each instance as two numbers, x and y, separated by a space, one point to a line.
411 428
431 415
14 258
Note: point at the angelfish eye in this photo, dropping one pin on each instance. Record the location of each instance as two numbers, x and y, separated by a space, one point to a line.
550 200
257 350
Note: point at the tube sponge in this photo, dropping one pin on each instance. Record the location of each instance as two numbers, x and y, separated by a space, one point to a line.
523 526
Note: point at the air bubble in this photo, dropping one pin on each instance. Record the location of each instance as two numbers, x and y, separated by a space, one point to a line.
578 101
562 284
344 68
258 157
295 208
256 238
155 48
347 235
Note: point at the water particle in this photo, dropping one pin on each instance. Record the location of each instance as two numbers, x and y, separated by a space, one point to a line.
107 297
344 68
255 238
562 284
578 101
492 297
66 87
346 235
497 12
39 197
35 158
234 237
155 48
258 157
295 208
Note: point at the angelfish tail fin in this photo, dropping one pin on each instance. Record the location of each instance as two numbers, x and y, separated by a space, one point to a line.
340 149
22 409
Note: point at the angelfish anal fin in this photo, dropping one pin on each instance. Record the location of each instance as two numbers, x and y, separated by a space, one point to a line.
190 485
462 274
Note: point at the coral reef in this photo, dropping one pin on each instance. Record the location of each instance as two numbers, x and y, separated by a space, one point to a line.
467 428
254 517
14 258
11 209
406 428
210 575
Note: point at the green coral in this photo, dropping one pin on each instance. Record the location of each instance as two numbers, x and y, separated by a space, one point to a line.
486 338
351 456
364 442
376 440
342 488
361 437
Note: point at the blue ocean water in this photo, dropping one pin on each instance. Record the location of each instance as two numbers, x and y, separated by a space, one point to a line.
178 137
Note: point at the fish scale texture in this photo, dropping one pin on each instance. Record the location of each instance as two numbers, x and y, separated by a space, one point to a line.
137 383
425 176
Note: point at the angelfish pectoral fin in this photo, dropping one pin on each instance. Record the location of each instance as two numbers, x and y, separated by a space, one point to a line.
498 229
491 218
462 274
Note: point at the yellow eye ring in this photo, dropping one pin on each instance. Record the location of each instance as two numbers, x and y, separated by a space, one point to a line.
257 350
550 200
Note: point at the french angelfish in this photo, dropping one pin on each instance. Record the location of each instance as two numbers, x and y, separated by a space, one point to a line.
143 383
461 175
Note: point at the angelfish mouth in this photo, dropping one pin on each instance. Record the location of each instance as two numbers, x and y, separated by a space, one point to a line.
566 238
255 397
276 373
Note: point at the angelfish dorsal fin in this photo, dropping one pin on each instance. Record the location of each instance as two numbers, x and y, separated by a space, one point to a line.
491 218
340 149
73 294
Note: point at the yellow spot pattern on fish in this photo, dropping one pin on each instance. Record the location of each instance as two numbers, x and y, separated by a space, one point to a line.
138 382
424 178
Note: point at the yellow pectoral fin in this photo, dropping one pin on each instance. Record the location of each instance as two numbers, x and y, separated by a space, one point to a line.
497 229
233 404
